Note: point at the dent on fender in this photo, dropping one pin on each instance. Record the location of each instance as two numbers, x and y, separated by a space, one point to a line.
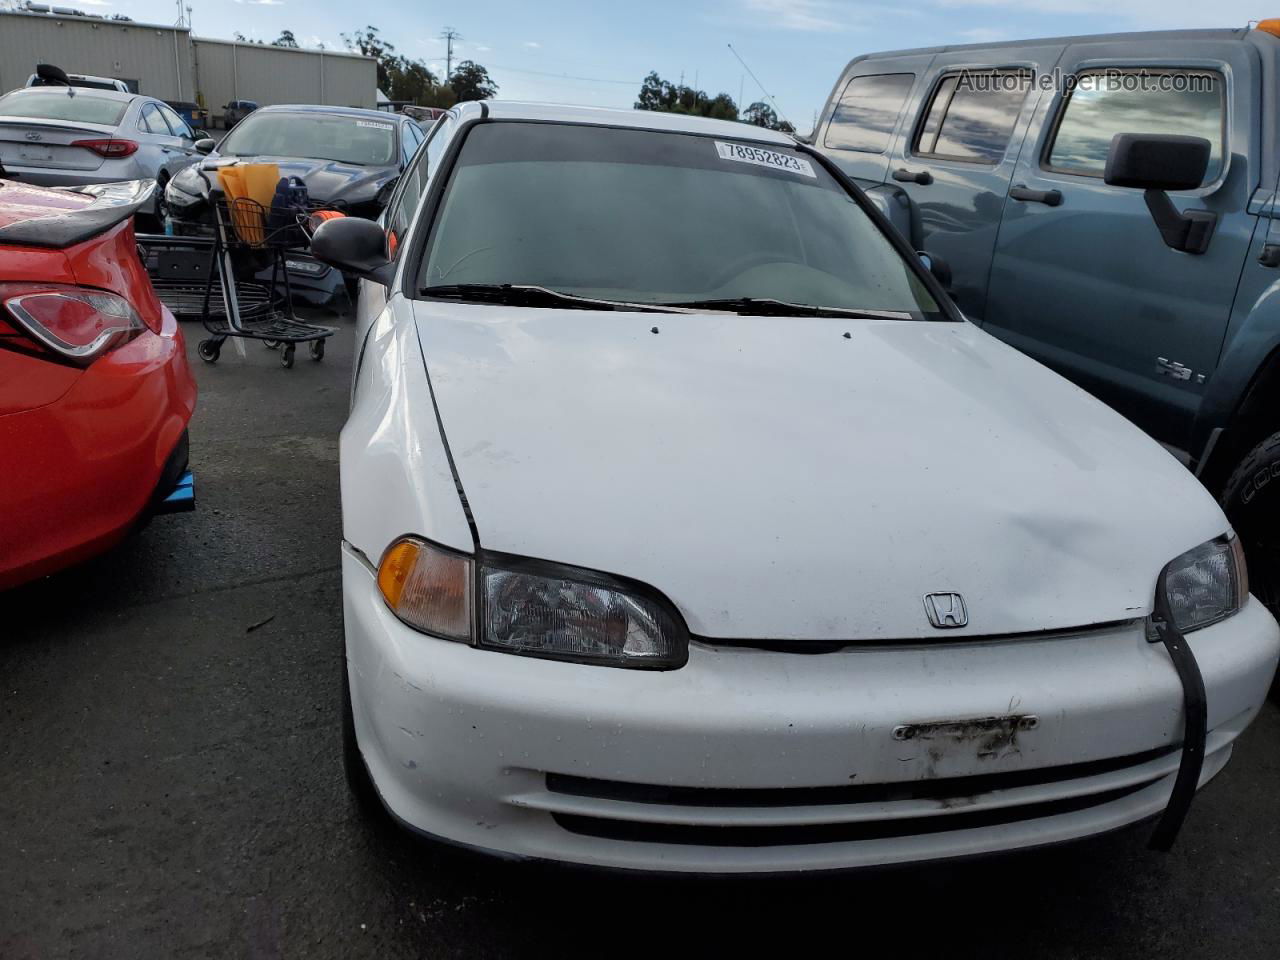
394 467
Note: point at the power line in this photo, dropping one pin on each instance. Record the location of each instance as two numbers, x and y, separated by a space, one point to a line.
448 34
759 84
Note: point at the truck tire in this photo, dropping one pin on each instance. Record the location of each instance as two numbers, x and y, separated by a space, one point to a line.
1251 500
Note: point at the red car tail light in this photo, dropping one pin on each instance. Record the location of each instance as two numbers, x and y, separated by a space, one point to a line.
111 148
74 322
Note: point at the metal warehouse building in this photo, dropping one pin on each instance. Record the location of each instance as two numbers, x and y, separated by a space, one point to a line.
167 62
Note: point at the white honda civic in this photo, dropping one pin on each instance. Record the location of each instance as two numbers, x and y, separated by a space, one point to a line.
689 527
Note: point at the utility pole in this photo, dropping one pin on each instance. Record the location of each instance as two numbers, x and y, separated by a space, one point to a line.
449 35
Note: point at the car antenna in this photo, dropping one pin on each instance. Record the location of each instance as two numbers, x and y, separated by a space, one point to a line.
768 95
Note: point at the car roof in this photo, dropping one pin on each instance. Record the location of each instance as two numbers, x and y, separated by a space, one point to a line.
609 117
1134 37
80 92
337 111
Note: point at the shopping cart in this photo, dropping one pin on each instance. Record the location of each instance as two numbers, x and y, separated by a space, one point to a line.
247 239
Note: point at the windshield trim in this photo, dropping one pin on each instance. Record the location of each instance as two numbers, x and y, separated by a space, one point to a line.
395 138
429 209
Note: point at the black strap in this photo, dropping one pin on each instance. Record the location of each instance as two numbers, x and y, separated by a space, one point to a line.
1195 724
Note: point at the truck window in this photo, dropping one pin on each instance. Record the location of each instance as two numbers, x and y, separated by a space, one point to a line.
867 112
972 114
1104 103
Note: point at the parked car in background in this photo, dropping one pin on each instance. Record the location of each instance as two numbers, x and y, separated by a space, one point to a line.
95 392
688 527
349 159
1078 227
80 80
63 136
237 110
426 116
195 116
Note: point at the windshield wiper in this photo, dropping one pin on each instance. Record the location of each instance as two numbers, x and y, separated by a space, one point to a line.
769 307
530 295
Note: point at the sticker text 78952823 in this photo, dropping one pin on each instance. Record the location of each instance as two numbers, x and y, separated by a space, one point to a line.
761 157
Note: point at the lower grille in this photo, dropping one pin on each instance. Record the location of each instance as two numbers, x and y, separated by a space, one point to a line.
773 836
942 789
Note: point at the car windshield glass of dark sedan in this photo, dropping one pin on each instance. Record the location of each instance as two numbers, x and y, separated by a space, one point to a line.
80 108
643 216
316 136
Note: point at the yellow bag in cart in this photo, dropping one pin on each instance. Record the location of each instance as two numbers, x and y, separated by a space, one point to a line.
254 182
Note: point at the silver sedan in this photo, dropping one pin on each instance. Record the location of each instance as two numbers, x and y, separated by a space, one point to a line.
67 136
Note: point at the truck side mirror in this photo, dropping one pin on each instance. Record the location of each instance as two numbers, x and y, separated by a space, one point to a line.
1155 163
940 269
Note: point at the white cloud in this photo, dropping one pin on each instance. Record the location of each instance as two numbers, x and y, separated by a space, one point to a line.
95 3
482 48
810 15
532 44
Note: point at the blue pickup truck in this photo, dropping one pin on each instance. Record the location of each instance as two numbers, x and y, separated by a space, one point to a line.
1107 204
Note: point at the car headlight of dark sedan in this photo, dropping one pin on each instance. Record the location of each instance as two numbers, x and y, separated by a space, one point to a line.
532 608
184 190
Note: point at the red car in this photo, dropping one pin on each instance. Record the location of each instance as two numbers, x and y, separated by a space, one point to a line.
95 391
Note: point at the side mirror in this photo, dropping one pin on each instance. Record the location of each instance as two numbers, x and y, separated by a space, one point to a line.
1155 163
200 134
354 245
940 269
52 75
205 144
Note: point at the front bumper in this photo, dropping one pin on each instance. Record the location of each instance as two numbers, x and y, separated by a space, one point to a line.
80 472
747 760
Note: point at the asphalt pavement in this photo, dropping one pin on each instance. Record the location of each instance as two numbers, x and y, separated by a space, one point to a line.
171 784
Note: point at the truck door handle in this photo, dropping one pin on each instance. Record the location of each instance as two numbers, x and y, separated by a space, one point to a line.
922 177
1050 198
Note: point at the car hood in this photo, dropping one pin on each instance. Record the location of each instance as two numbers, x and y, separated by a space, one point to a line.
806 478
328 180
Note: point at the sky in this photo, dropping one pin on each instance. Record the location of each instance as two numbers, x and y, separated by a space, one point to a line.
598 51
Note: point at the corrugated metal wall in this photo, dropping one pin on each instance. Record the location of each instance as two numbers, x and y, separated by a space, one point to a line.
166 64
158 58
247 71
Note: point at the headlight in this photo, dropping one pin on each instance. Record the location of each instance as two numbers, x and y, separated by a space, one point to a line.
187 181
1207 584
531 608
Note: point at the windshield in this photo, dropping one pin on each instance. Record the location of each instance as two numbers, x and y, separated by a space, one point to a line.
80 108
316 136
645 217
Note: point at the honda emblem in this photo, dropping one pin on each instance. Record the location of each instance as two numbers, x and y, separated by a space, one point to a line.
946 610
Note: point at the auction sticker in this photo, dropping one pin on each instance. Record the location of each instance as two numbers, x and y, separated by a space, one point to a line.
765 158
374 124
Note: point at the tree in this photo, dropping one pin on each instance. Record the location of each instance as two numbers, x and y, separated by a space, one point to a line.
370 44
760 114
410 80
470 81
286 39
667 97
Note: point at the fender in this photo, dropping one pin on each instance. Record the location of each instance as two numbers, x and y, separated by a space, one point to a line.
1252 347
394 466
